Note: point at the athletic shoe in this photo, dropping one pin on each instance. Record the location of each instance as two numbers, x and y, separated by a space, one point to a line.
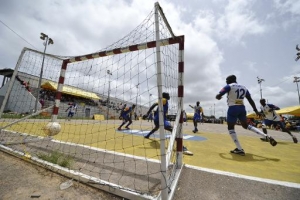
265 139
195 131
146 136
127 128
186 151
240 152
119 129
295 139
272 141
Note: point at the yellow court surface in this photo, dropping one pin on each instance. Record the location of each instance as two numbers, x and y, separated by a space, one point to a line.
262 160
211 146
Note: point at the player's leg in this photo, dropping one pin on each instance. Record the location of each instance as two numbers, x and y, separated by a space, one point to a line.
231 121
243 120
129 122
69 115
264 125
282 126
156 123
195 120
123 122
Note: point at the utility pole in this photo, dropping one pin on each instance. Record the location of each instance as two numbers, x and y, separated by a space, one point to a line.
259 80
108 93
48 42
296 80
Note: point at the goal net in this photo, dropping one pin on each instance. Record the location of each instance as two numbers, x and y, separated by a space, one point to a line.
65 113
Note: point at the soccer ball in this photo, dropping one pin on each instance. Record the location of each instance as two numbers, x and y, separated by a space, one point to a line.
52 128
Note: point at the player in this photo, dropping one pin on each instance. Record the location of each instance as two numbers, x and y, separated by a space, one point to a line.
126 116
272 118
184 117
236 110
72 110
198 115
150 116
167 124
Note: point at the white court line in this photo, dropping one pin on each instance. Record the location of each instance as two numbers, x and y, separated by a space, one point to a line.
264 180
269 181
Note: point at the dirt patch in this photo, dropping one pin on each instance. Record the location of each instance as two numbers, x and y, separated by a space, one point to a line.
22 180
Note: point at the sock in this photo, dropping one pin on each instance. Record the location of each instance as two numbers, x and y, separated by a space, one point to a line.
265 131
257 131
234 138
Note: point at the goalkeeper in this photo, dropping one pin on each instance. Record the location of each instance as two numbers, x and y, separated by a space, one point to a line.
167 125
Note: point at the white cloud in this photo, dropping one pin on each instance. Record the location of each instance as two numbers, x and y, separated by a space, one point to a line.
238 21
212 34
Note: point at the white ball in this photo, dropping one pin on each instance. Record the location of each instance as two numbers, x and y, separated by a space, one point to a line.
52 128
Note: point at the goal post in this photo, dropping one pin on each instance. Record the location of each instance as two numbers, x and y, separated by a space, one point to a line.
135 70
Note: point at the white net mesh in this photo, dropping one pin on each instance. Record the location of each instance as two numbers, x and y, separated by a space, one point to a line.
89 144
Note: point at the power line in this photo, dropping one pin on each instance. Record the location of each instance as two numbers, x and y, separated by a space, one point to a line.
18 35
287 79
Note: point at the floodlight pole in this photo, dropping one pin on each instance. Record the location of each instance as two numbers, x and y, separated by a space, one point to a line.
150 100
214 110
48 42
298 53
259 80
296 80
108 93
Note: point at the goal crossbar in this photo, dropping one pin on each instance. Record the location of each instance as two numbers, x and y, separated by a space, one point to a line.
136 47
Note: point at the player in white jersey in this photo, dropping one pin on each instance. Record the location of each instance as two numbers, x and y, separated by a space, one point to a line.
72 110
272 118
236 110
198 115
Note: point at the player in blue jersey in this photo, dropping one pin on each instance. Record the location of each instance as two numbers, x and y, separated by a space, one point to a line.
272 118
198 115
126 116
167 124
236 110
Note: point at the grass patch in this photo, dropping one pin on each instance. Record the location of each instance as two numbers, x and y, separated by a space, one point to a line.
58 158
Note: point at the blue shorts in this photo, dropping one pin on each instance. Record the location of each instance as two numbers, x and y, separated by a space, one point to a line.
197 117
268 122
236 112
167 124
126 117
70 114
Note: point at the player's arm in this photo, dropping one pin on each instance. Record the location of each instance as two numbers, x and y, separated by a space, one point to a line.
273 107
223 91
191 106
150 109
252 103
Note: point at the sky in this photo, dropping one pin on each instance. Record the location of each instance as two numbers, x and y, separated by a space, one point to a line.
247 38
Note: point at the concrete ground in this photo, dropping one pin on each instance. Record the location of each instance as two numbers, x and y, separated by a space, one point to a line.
266 172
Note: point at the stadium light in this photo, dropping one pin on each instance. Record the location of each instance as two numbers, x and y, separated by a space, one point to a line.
150 100
48 42
298 54
296 80
137 94
108 93
260 80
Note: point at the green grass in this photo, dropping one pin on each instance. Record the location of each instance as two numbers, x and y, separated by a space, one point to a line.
57 158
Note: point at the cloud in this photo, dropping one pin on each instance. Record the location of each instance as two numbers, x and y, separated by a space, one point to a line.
212 34
238 21
288 6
